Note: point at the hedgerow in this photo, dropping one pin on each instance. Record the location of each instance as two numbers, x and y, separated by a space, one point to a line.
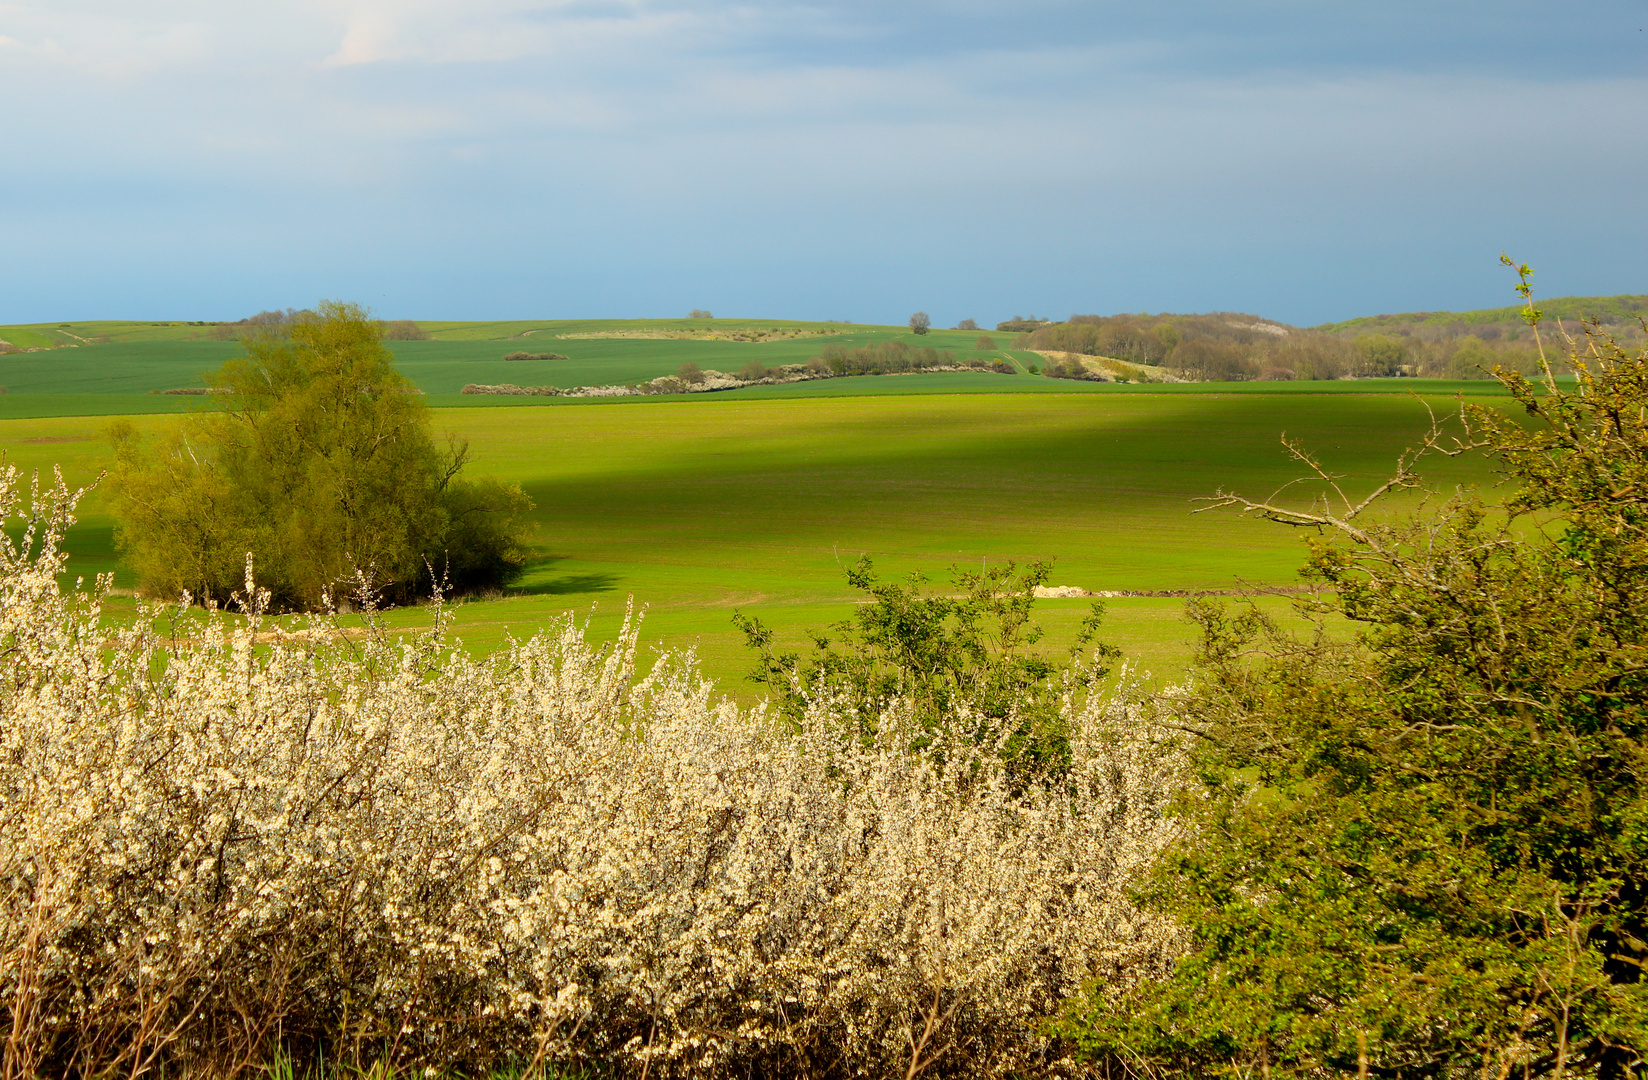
237 844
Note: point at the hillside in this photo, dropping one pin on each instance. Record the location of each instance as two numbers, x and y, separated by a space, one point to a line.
113 357
1611 311
124 331
151 358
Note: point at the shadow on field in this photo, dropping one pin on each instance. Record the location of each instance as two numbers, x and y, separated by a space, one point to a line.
536 582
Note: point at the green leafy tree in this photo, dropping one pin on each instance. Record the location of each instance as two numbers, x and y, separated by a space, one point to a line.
1169 336
404 330
1472 359
320 464
1424 852
968 657
1380 355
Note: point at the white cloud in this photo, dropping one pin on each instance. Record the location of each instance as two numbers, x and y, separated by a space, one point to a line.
367 40
109 44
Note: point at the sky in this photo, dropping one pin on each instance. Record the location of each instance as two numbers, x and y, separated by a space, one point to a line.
840 159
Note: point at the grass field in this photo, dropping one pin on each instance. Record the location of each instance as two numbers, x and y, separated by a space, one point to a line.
755 499
136 360
702 505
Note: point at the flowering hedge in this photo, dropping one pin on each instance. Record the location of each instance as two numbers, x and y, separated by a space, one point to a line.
253 841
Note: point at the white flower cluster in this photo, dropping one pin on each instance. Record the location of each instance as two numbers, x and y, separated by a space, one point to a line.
215 845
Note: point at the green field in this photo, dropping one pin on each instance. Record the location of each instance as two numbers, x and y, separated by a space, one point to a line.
754 499
701 505
136 359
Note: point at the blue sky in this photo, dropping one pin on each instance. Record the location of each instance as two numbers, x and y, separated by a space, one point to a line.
203 159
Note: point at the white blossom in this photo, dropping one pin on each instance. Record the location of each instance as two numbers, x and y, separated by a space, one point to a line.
214 843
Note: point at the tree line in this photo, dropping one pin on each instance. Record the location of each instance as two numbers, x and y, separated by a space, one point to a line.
892 357
278 323
1233 347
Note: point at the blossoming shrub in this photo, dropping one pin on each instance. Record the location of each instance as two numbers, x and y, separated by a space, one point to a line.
255 842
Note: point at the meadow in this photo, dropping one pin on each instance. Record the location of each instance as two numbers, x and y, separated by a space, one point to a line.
119 358
702 505
123 364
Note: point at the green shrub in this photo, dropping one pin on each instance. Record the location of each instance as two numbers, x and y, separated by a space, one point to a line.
1472 359
1424 853
404 330
967 660
884 358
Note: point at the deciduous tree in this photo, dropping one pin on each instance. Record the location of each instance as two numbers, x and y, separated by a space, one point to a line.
319 462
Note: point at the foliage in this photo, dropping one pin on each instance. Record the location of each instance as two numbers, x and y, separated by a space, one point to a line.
1619 314
1121 337
320 463
1231 347
962 663
232 849
889 356
699 313
967 324
1222 347
1425 853
262 325
1381 354
404 330
920 322
1212 360
1070 368
1470 357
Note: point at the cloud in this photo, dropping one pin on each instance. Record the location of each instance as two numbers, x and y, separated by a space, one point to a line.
367 40
1105 154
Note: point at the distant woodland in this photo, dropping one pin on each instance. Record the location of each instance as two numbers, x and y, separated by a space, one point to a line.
279 323
1228 346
